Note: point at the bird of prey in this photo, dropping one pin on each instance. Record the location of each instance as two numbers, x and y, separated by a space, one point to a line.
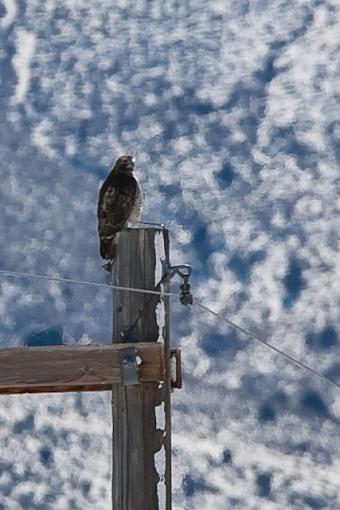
119 206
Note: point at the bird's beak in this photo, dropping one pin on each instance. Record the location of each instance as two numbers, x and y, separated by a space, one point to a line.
131 165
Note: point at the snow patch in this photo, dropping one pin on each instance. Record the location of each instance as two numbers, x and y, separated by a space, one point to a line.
160 468
11 8
42 139
160 416
25 49
160 308
160 318
160 256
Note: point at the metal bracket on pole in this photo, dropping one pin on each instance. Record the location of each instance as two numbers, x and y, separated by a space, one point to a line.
184 271
128 366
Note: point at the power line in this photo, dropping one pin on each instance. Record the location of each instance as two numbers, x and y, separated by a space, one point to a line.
17 274
290 358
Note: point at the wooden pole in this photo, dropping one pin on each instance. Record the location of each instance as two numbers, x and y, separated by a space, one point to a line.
135 436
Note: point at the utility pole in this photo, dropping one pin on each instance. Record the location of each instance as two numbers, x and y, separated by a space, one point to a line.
136 368
137 318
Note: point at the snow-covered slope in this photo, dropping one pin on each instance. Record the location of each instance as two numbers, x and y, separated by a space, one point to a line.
232 109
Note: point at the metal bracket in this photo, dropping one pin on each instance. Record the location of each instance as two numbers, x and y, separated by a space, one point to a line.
170 271
184 271
128 366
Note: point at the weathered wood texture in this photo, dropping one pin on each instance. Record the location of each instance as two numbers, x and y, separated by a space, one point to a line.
135 438
134 317
73 368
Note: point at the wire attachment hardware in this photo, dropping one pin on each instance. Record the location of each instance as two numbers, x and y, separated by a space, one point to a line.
183 271
185 295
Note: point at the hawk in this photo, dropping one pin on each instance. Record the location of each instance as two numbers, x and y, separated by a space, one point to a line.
119 206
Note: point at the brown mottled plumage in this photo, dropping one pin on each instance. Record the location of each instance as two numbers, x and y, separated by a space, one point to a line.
119 205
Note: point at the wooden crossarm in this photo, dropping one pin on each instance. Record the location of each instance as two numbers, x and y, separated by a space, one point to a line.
74 368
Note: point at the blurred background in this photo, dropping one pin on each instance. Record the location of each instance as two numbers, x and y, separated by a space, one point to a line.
232 110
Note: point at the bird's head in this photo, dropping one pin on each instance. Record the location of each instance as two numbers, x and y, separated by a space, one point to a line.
125 164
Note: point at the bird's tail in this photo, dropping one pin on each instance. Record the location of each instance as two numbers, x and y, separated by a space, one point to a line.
108 250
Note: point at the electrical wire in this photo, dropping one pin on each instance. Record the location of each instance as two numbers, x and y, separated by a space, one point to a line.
290 358
17 274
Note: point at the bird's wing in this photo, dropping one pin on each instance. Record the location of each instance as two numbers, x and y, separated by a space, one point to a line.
114 207
137 209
